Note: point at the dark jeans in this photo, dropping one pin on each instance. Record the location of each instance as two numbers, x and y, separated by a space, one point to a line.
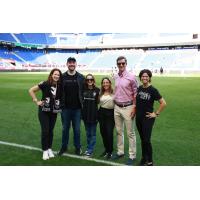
106 124
68 116
144 126
47 122
91 136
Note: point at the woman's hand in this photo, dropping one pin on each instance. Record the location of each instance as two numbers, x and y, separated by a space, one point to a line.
40 103
151 115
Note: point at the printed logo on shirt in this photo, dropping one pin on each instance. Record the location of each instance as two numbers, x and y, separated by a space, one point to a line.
53 90
94 94
71 81
46 107
57 104
144 95
47 101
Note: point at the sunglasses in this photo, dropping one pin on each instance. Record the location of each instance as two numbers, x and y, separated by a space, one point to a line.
89 79
122 63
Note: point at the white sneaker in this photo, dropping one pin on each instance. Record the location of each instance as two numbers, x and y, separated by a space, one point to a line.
45 155
50 153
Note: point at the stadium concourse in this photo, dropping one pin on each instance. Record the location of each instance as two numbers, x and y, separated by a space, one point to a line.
176 54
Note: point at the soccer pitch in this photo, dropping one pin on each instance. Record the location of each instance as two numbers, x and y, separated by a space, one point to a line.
176 138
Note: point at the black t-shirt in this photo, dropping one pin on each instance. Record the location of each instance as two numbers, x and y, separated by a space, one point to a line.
71 92
145 99
90 105
51 95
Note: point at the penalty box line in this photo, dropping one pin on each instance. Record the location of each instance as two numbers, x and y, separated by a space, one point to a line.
65 154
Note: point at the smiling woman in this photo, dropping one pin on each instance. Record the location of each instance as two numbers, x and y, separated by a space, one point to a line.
106 116
145 116
48 108
89 112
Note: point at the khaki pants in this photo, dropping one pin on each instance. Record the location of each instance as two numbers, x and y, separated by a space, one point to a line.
122 116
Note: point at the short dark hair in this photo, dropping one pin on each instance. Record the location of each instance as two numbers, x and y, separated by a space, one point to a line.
145 71
71 59
122 57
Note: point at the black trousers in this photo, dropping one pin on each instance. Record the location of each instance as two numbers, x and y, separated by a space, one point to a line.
144 126
47 123
106 124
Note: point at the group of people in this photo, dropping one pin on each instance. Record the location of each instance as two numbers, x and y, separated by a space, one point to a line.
78 98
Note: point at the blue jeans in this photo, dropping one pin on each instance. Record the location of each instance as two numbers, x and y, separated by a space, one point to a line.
91 136
68 116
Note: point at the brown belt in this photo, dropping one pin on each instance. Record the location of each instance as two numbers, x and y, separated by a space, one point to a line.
122 105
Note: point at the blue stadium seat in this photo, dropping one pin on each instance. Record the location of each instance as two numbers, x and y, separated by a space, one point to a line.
7 37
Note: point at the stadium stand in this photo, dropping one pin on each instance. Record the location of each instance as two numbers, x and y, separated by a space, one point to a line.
7 37
95 58
129 35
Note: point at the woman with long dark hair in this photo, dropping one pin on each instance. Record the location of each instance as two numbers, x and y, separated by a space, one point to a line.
48 107
106 116
89 112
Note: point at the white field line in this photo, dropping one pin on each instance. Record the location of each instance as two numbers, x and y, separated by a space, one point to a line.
65 154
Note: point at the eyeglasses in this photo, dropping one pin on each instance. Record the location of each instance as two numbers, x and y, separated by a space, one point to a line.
89 79
122 63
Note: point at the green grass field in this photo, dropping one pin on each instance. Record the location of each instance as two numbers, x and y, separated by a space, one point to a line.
176 134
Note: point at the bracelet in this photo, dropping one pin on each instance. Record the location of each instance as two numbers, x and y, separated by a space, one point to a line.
35 100
157 114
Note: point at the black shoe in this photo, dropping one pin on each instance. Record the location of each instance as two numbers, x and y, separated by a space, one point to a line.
116 156
78 151
130 162
149 164
62 150
104 154
109 156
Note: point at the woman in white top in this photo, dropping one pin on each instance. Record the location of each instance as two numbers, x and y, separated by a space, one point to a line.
106 116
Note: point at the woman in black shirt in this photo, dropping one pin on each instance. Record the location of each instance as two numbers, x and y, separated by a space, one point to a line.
145 114
89 112
48 106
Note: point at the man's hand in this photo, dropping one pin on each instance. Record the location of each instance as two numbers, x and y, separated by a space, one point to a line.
133 113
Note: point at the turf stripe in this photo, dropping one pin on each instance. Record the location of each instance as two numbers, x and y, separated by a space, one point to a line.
65 154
